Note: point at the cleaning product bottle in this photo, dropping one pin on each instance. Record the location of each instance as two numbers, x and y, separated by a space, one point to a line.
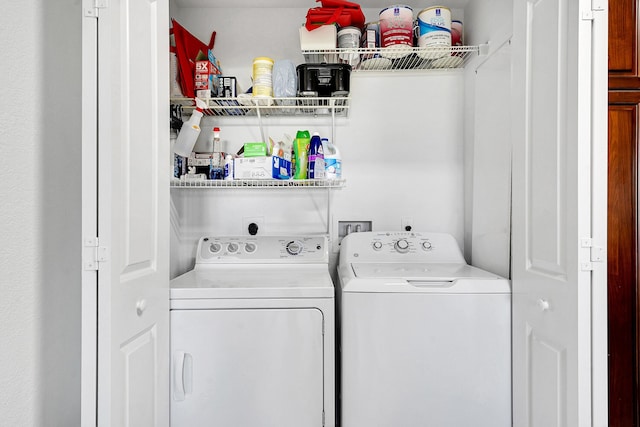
228 167
315 168
189 131
216 167
300 151
332 160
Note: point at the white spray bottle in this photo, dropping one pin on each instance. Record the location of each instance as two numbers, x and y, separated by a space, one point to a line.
189 131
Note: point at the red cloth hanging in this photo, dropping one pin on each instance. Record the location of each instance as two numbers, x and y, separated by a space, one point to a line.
187 47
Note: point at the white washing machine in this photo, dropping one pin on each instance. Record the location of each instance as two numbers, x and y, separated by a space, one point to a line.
253 335
425 338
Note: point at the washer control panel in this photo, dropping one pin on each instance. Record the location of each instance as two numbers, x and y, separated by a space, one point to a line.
400 245
262 249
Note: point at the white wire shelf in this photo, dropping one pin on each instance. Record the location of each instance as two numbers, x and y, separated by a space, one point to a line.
249 106
396 58
259 183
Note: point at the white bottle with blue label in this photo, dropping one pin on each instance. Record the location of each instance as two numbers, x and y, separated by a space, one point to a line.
332 160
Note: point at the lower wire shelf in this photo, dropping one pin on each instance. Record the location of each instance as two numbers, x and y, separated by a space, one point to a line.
259 183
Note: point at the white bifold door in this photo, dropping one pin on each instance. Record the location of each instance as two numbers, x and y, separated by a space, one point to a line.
559 232
247 367
127 41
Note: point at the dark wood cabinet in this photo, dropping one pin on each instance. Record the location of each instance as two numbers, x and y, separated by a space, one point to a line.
623 45
624 110
622 257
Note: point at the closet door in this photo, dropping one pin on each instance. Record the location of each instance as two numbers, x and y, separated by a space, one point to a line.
559 118
133 213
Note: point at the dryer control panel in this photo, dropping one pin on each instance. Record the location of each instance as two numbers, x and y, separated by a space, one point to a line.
406 246
262 249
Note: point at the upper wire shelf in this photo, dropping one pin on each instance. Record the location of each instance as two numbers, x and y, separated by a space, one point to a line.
246 105
396 58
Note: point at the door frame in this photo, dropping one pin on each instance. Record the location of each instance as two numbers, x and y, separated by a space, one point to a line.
89 312
599 173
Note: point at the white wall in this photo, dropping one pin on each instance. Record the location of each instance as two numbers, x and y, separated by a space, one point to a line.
401 145
40 213
487 139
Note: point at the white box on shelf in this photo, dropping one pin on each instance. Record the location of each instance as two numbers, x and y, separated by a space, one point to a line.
252 168
321 38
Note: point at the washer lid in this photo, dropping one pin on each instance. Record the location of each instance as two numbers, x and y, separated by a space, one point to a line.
418 271
422 278
254 281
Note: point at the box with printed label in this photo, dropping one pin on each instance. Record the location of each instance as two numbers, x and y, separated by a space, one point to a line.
206 76
266 167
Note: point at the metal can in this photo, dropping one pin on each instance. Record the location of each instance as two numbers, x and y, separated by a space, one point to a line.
396 31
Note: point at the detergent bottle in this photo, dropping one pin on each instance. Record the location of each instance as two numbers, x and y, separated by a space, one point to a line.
315 168
300 153
332 160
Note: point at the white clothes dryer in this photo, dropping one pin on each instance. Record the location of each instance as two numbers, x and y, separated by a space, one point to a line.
425 338
253 334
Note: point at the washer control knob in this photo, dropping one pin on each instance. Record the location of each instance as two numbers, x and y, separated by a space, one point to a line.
214 248
402 246
294 248
232 248
427 246
377 245
250 247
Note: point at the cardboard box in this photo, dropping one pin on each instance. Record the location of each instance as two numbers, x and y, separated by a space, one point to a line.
266 167
227 87
255 149
206 76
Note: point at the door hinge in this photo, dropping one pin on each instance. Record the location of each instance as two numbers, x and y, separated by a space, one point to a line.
596 6
92 11
596 254
94 254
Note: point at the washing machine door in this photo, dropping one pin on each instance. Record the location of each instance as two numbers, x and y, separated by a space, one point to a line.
247 367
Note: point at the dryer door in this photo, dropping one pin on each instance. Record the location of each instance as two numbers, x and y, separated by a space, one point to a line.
247 367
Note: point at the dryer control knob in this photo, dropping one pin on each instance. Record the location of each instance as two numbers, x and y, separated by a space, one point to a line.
250 247
402 246
377 245
427 246
232 248
214 248
294 248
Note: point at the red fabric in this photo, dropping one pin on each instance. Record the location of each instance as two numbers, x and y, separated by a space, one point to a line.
341 12
187 48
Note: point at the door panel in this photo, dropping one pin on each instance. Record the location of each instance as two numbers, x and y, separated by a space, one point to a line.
622 261
552 132
623 53
133 201
247 367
